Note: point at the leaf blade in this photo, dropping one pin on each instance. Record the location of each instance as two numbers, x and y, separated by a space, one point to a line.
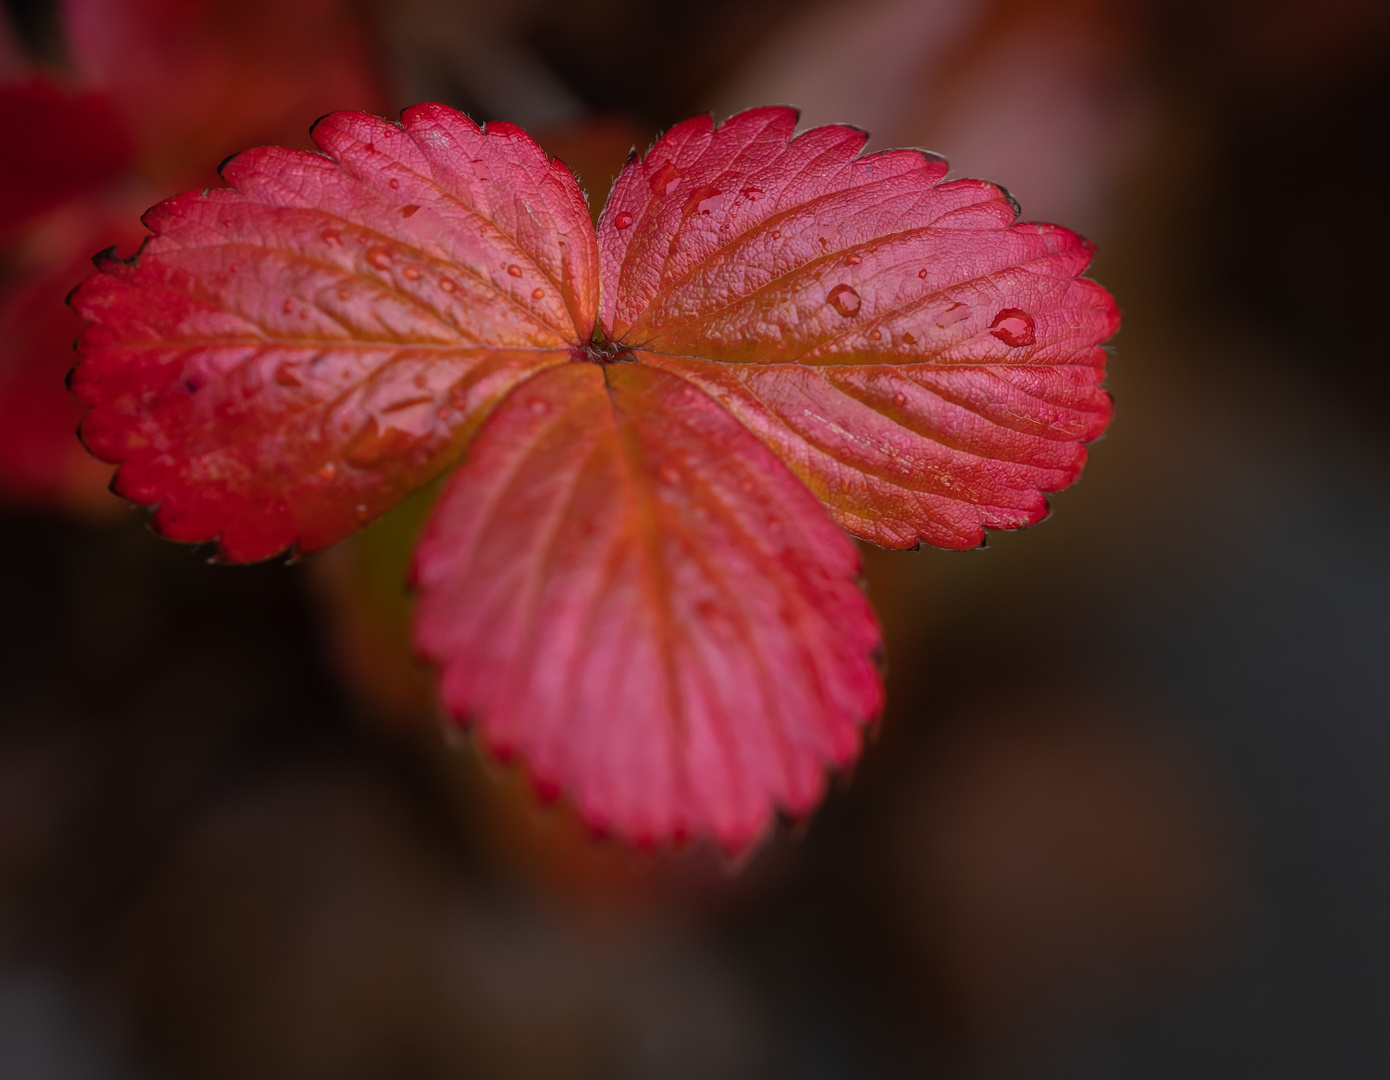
288 357
621 585
800 283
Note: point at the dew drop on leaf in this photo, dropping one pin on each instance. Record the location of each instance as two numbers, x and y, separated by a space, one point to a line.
899 398
776 235
332 236
395 183
447 284
412 273
375 444
874 335
379 256
343 294
537 294
922 273
665 179
514 270
844 300
1014 327
409 401
702 200
752 194
853 260
622 219
327 471
409 211
539 406
952 315
908 339
287 306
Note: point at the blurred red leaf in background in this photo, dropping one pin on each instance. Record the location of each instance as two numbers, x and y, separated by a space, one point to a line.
156 93
59 145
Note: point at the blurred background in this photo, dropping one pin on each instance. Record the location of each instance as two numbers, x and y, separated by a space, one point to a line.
1128 812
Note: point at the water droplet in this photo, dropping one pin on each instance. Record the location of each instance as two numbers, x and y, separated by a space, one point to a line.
447 284
379 256
362 512
622 219
303 313
752 194
668 475
332 236
899 398
343 294
408 402
874 335
702 200
537 294
327 471
395 183
287 306
776 235
665 179
844 300
952 315
908 339
1014 327
412 273
539 406
853 260
922 273
409 211
514 270
375 444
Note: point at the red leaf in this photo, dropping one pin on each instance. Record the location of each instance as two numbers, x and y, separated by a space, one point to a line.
58 145
629 591
926 364
200 79
622 583
286 359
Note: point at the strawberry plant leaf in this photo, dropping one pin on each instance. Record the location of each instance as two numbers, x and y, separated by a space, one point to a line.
629 581
928 365
288 357
629 591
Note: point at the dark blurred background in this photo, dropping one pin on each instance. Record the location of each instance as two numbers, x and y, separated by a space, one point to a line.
1128 812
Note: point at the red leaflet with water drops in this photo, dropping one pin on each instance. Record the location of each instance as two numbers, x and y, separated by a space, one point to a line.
629 592
927 364
289 357
623 584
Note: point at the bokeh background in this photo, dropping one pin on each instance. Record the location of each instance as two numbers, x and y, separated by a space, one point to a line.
1128 812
